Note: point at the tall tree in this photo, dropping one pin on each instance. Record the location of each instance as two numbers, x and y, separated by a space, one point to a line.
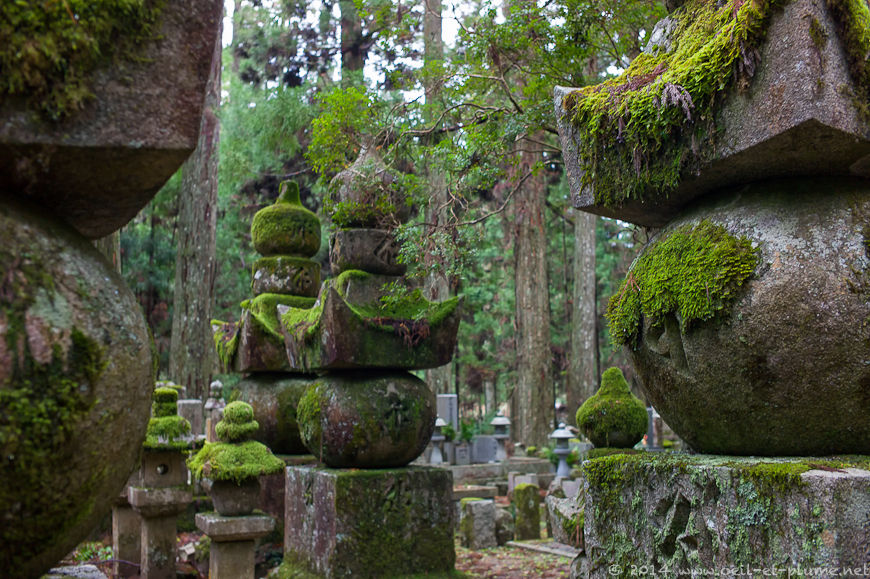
191 360
532 401
583 370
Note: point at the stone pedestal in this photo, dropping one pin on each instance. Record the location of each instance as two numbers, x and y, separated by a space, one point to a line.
158 508
233 543
711 515
369 523
477 528
126 539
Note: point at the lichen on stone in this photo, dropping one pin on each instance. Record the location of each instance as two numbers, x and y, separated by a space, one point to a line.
693 272
638 132
48 50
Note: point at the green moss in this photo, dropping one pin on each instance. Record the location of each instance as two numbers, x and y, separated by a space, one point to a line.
238 423
223 461
605 451
613 416
639 131
286 227
168 432
264 309
411 314
48 50
853 26
41 408
692 272
226 342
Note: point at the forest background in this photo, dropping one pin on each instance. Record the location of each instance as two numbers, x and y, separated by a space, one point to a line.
465 122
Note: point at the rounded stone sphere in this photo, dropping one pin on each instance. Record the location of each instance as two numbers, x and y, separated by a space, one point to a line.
274 397
785 370
376 420
76 378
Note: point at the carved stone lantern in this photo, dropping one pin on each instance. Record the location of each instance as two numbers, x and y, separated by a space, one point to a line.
437 440
500 423
561 436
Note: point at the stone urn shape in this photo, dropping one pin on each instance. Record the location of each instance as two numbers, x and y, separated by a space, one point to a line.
230 468
613 417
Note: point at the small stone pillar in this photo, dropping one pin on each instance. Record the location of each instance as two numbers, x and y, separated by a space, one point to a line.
477 526
500 423
233 543
527 500
126 533
163 490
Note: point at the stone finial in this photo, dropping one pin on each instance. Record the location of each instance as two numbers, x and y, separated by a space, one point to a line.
613 417
166 429
286 227
238 423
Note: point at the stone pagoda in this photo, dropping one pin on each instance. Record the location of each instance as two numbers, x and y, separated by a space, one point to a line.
740 137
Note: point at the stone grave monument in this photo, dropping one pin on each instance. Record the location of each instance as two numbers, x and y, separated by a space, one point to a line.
82 149
740 136
365 513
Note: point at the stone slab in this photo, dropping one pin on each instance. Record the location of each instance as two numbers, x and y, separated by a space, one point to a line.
706 515
476 491
99 167
489 471
369 523
159 502
245 528
75 572
795 119
477 526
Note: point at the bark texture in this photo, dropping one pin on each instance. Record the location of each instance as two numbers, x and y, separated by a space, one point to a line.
532 398
583 368
192 355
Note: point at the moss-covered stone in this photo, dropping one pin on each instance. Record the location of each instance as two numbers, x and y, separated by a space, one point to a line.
527 500
377 420
49 49
75 385
286 228
284 274
166 430
364 330
238 423
224 461
370 523
690 274
613 417
366 195
683 512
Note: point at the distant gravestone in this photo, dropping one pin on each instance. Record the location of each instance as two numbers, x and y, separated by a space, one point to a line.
448 409
484 449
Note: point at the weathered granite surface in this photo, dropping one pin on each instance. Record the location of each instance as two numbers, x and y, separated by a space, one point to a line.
369 523
786 370
795 119
98 168
274 397
477 523
76 378
658 513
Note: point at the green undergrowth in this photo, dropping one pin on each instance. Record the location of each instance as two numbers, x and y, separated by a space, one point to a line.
383 314
693 272
639 132
48 49
222 461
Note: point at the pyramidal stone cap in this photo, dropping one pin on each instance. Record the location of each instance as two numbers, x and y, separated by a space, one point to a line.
97 168
799 115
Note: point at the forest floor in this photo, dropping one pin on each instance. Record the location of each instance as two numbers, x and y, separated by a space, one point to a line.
505 562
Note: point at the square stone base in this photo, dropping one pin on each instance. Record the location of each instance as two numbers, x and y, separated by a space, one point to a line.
369 523
667 514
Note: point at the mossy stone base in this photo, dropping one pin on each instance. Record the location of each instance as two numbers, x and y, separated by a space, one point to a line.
367 420
671 513
274 397
76 378
786 370
284 274
369 523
